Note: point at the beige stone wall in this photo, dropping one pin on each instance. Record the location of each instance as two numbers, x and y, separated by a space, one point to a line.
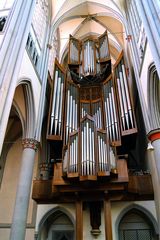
9 182
8 192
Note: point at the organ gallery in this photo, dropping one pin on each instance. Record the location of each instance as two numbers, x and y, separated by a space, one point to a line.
91 130
90 110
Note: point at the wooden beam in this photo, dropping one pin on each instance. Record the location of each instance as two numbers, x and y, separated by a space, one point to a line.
79 220
107 219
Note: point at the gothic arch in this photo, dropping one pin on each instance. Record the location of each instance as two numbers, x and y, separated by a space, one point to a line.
15 121
64 17
153 96
141 209
54 213
29 130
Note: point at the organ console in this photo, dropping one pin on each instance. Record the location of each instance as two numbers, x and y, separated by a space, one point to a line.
90 110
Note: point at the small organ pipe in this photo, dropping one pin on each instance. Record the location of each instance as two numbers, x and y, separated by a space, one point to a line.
91 153
91 56
88 150
114 113
109 119
88 57
121 105
100 117
57 104
74 160
127 95
104 155
112 119
53 104
60 110
76 116
76 153
124 99
73 114
70 119
82 140
99 152
85 149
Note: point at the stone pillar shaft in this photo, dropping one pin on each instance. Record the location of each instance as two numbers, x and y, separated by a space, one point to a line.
154 162
19 220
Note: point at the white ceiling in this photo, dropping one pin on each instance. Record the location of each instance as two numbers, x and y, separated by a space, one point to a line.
81 18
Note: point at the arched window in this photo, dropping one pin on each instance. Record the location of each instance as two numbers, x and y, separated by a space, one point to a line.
154 97
57 225
135 225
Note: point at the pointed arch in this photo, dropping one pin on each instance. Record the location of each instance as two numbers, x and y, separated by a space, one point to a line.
53 211
154 96
141 209
29 130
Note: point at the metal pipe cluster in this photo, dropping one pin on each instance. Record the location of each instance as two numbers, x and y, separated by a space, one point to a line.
97 113
88 163
73 154
110 111
103 153
89 64
85 109
71 110
57 99
124 98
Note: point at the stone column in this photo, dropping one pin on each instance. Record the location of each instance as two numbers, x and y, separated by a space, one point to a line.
154 137
19 220
154 162
11 52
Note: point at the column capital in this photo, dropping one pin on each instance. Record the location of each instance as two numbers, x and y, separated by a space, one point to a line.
30 143
154 135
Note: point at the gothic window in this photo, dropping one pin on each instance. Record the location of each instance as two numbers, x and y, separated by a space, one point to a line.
39 21
136 226
58 226
154 97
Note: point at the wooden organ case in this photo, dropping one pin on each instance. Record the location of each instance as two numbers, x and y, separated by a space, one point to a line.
90 112
90 123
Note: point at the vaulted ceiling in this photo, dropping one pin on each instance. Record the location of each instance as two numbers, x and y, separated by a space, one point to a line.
81 18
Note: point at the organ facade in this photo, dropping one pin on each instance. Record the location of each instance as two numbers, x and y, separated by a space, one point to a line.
90 110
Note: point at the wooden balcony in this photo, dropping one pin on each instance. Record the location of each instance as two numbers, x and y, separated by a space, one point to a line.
120 187
42 190
140 184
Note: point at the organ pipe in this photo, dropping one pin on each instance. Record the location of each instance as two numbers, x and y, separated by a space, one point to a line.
55 124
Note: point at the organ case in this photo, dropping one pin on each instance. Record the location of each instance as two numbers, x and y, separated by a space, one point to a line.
90 116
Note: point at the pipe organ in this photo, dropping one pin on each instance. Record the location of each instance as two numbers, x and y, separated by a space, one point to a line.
90 110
